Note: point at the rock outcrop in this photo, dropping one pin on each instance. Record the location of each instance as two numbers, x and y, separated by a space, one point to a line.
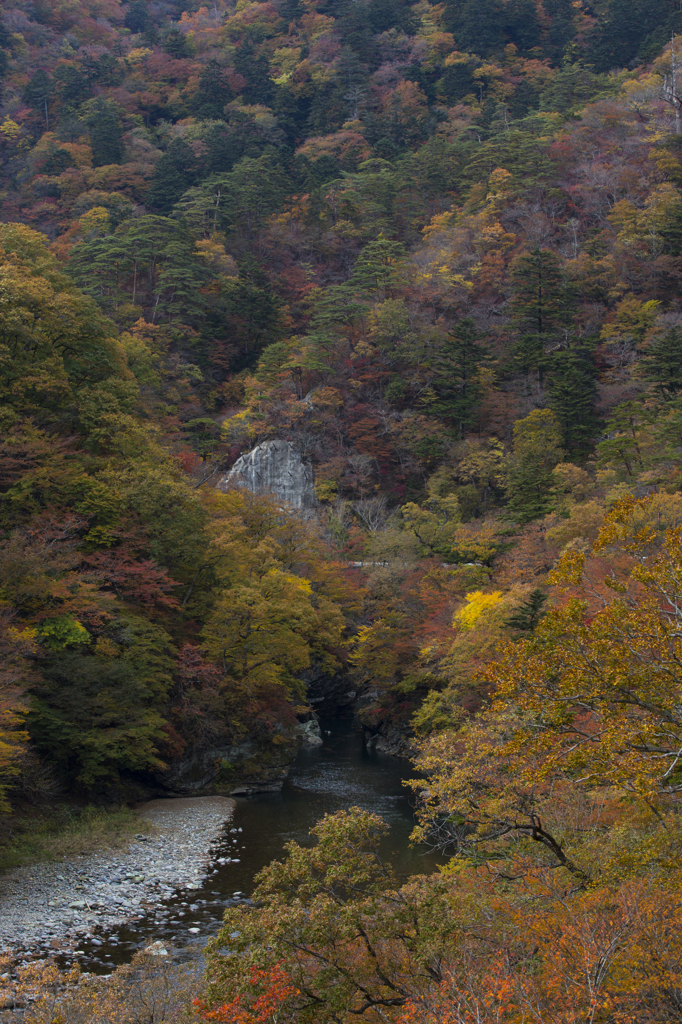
276 468
330 694
248 767
308 731
386 737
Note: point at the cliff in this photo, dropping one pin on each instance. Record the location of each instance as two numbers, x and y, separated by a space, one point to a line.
276 468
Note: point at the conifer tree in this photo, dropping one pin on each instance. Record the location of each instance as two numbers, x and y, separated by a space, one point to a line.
628 29
106 133
521 24
476 25
538 307
530 476
529 613
175 44
376 269
38 93
572 389
73 85
457 385
213 93
173 175
562 25
662 364
137 16
620 448
352 80
255 69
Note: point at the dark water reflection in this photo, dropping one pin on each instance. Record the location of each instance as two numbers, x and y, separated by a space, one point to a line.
340 774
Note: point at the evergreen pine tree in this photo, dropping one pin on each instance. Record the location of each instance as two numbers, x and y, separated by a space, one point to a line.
476 25
662 364
572 389
74 87
6 38
213 93
291 10
377 266
529 613
530 471
255 69
561 27
175 44
353 21
521 24
538 307
137 16
175 172
572 87
351 75
620 448
631 29
106 133
38 92
457 385
387 14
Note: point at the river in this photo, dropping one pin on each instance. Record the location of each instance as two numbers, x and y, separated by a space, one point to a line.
340 774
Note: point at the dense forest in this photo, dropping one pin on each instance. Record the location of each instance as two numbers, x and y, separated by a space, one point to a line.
437 247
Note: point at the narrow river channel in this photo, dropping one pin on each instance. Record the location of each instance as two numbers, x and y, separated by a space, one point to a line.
340 774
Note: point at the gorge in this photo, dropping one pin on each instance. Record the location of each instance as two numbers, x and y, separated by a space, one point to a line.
341 772
341 418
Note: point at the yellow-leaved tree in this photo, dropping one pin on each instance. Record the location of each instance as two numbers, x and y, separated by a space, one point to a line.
271 618
592 698
560 800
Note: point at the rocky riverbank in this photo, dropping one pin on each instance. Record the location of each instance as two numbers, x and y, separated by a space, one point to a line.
49 908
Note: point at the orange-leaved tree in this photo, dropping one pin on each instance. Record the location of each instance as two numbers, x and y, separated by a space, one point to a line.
270 990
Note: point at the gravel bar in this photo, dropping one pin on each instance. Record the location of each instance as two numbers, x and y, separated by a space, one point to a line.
49 908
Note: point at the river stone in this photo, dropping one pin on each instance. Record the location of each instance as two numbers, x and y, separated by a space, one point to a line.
155 949
275 468
40 912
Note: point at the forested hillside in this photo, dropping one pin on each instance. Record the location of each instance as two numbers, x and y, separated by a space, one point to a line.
437 247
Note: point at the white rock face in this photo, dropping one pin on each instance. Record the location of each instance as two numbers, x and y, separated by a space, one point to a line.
276 468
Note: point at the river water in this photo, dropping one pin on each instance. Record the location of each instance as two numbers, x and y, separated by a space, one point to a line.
340 774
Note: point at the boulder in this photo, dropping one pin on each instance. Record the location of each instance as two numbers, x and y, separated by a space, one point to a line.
155 949
308 732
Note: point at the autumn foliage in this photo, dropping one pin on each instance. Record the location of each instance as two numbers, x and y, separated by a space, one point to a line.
438 248
270 990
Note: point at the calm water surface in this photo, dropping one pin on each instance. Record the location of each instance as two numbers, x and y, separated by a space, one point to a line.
340 774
